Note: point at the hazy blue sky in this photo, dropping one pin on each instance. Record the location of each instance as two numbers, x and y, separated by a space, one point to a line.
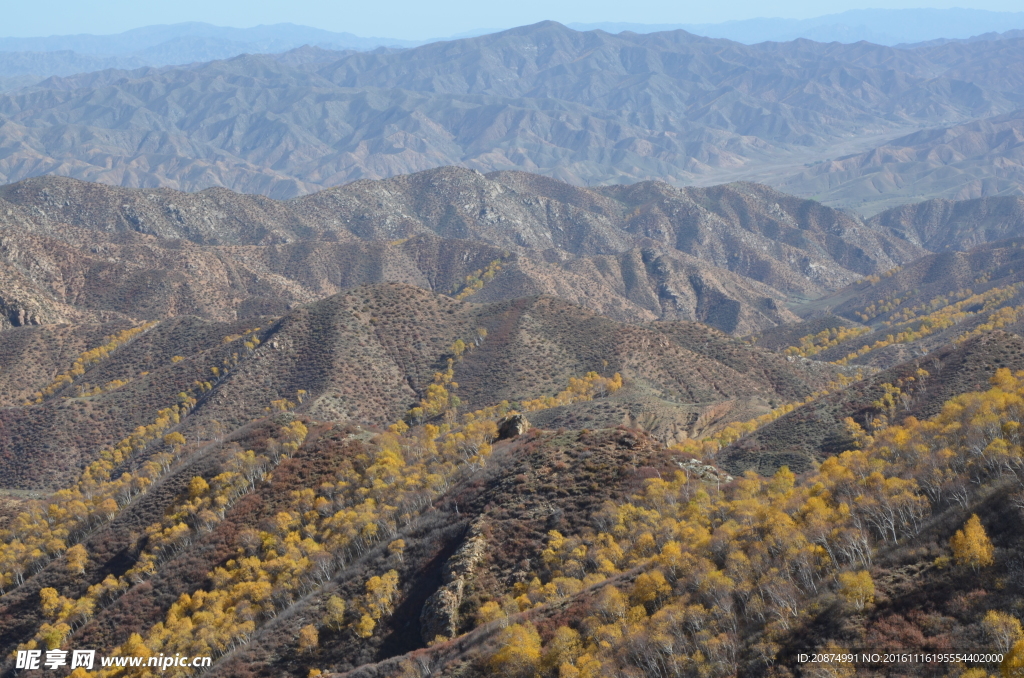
415 19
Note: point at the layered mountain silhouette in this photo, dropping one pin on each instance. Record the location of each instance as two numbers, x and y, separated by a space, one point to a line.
583 107
27 61
980 158
904 27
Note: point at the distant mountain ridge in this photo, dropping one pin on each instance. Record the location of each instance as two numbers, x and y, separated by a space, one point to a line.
982 158
27 61
880 26
258 39
581 107
939 225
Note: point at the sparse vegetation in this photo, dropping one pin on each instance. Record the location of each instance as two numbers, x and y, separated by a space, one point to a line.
476 280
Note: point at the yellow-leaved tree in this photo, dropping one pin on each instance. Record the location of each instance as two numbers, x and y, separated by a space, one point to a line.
1013 661
565 648
397 549
365 626
519 655
76 559
971 545
309 638
334 613
857 588
1003 630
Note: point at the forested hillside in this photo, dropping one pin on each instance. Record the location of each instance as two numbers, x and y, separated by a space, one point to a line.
453 424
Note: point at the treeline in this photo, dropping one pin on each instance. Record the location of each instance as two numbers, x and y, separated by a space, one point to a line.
476 280
946 317
941 301
46 528
706 447
204 505
812 344
934 316
87 359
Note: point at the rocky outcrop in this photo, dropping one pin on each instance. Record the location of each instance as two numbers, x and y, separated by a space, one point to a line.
440 615
513 426
705 472
13 313
18 317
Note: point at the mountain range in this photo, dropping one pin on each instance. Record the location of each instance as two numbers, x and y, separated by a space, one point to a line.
742 258
979 158
27 61
895 27
32 59
374 412
581 107
539 354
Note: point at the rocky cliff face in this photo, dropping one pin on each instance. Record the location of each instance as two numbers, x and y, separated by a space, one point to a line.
439 619
513 427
